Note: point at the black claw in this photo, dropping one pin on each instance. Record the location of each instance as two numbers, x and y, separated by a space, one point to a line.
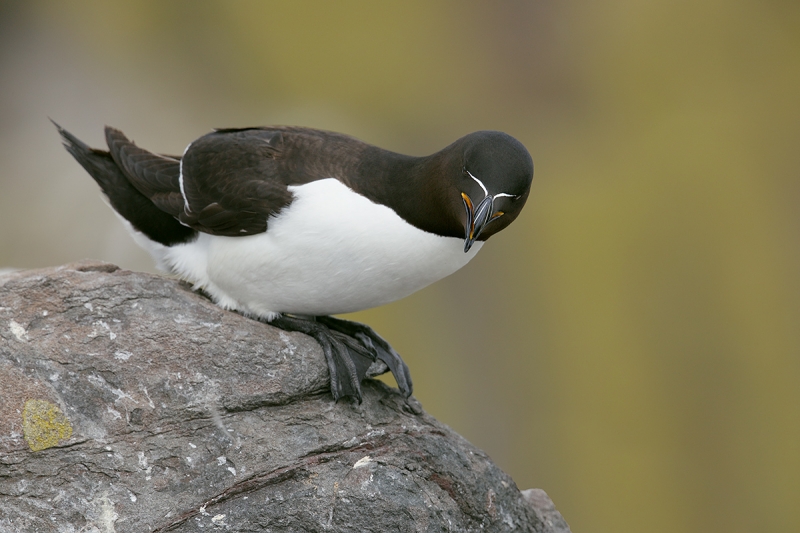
350 348
347 359
377 346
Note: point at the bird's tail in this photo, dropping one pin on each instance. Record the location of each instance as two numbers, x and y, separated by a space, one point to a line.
126 200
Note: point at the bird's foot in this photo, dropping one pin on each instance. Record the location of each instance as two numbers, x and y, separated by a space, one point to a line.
377 346
350 349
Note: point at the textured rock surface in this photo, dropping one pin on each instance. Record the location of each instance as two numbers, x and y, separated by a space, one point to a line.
129 403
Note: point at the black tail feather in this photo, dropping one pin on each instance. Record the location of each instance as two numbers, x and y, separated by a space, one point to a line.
155 176
126 200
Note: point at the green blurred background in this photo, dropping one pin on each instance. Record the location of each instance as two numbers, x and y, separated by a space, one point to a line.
632 343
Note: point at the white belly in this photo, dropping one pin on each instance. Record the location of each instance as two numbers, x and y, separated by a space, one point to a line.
332 251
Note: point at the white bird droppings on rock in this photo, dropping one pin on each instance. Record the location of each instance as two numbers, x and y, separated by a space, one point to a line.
363 461
107 514
122 355
18 330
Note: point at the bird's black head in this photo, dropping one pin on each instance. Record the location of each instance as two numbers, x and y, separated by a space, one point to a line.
496 174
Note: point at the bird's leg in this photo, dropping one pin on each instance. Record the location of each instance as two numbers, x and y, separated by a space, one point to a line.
348 360
377 346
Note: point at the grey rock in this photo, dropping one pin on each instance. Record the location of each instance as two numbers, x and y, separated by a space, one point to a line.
129 403
546 511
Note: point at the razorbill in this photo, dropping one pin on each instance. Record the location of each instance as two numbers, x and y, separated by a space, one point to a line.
291 225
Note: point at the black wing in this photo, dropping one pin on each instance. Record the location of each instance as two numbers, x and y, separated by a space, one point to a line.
228 182
234 180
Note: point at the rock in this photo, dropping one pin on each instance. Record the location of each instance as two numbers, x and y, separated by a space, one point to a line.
546 511
129 403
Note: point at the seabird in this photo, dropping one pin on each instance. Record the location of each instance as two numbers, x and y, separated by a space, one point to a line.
291 225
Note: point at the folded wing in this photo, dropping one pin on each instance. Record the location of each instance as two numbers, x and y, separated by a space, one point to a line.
228 182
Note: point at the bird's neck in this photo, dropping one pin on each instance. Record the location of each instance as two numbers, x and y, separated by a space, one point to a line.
415 187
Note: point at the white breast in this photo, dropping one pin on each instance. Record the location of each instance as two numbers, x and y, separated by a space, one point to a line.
332 251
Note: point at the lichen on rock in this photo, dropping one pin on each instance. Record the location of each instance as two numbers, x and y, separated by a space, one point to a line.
44 425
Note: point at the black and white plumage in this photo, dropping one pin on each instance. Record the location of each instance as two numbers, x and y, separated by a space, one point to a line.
292 225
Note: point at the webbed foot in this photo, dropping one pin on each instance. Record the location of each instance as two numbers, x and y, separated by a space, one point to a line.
350 348
381 349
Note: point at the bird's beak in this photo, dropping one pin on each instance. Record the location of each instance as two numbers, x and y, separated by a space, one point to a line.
477 218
